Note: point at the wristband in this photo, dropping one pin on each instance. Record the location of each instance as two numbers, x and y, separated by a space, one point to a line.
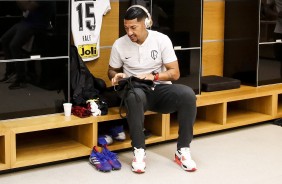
156 76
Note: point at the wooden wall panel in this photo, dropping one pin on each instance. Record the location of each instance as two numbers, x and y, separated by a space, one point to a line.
110 26
99 67
213 36
213 20
212 60
109 33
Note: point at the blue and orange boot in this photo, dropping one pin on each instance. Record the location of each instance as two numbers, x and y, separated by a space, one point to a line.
112 158
99 161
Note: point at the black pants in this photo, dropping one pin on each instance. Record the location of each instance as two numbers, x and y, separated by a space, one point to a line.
165 98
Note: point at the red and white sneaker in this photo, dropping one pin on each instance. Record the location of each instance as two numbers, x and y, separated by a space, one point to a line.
183 158
138 163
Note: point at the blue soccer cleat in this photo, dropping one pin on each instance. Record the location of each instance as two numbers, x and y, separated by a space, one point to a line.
105 140
99 161
112 158
117 133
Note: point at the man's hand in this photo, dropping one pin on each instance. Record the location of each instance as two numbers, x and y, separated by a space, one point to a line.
115 74
117 77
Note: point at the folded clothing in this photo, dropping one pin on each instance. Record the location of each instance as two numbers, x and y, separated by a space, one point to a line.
81 112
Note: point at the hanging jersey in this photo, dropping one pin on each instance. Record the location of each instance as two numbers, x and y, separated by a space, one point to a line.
86 21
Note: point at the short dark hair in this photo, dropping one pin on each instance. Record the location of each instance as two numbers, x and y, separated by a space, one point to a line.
135 12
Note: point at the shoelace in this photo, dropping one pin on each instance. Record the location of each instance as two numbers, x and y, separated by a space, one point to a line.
97 158
186 153
110 154
139 154
126 90
98 155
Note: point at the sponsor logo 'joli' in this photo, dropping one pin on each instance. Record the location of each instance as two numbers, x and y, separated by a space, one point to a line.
87 51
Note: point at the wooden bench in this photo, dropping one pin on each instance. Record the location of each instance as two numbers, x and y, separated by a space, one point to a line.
48 138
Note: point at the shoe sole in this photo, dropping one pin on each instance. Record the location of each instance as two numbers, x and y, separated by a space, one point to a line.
178 161
104 171
115 168
138 171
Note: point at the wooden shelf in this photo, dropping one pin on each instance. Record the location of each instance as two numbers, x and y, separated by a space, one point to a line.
43 139
201 126
2 152
30 148
172 130
248 111
155 123
209 118
4 148
215 113
231 108
279 112
240 117
117 145
113 114
45 122
244 92
279 108
54 149
204 126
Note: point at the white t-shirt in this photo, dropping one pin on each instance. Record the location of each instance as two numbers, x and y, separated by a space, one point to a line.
135 59
86 16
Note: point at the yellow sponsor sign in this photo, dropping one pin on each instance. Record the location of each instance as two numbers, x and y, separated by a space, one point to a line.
88 51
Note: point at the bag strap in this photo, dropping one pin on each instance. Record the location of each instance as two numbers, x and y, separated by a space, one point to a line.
82 71
128 86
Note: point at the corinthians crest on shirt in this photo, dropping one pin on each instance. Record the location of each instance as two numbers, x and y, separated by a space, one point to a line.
87 50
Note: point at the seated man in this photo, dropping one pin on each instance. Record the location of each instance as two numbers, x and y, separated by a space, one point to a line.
149 55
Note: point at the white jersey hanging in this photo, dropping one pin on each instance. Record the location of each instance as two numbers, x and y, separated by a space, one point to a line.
86 16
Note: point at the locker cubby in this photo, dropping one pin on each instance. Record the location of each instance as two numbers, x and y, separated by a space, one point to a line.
279 110
249 111
2 152
4 149
155 123
51 145
172 127
210 118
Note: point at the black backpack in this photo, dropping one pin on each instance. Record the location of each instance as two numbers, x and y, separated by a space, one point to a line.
82 82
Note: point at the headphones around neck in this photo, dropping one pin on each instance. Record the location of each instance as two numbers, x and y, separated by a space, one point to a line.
148 20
